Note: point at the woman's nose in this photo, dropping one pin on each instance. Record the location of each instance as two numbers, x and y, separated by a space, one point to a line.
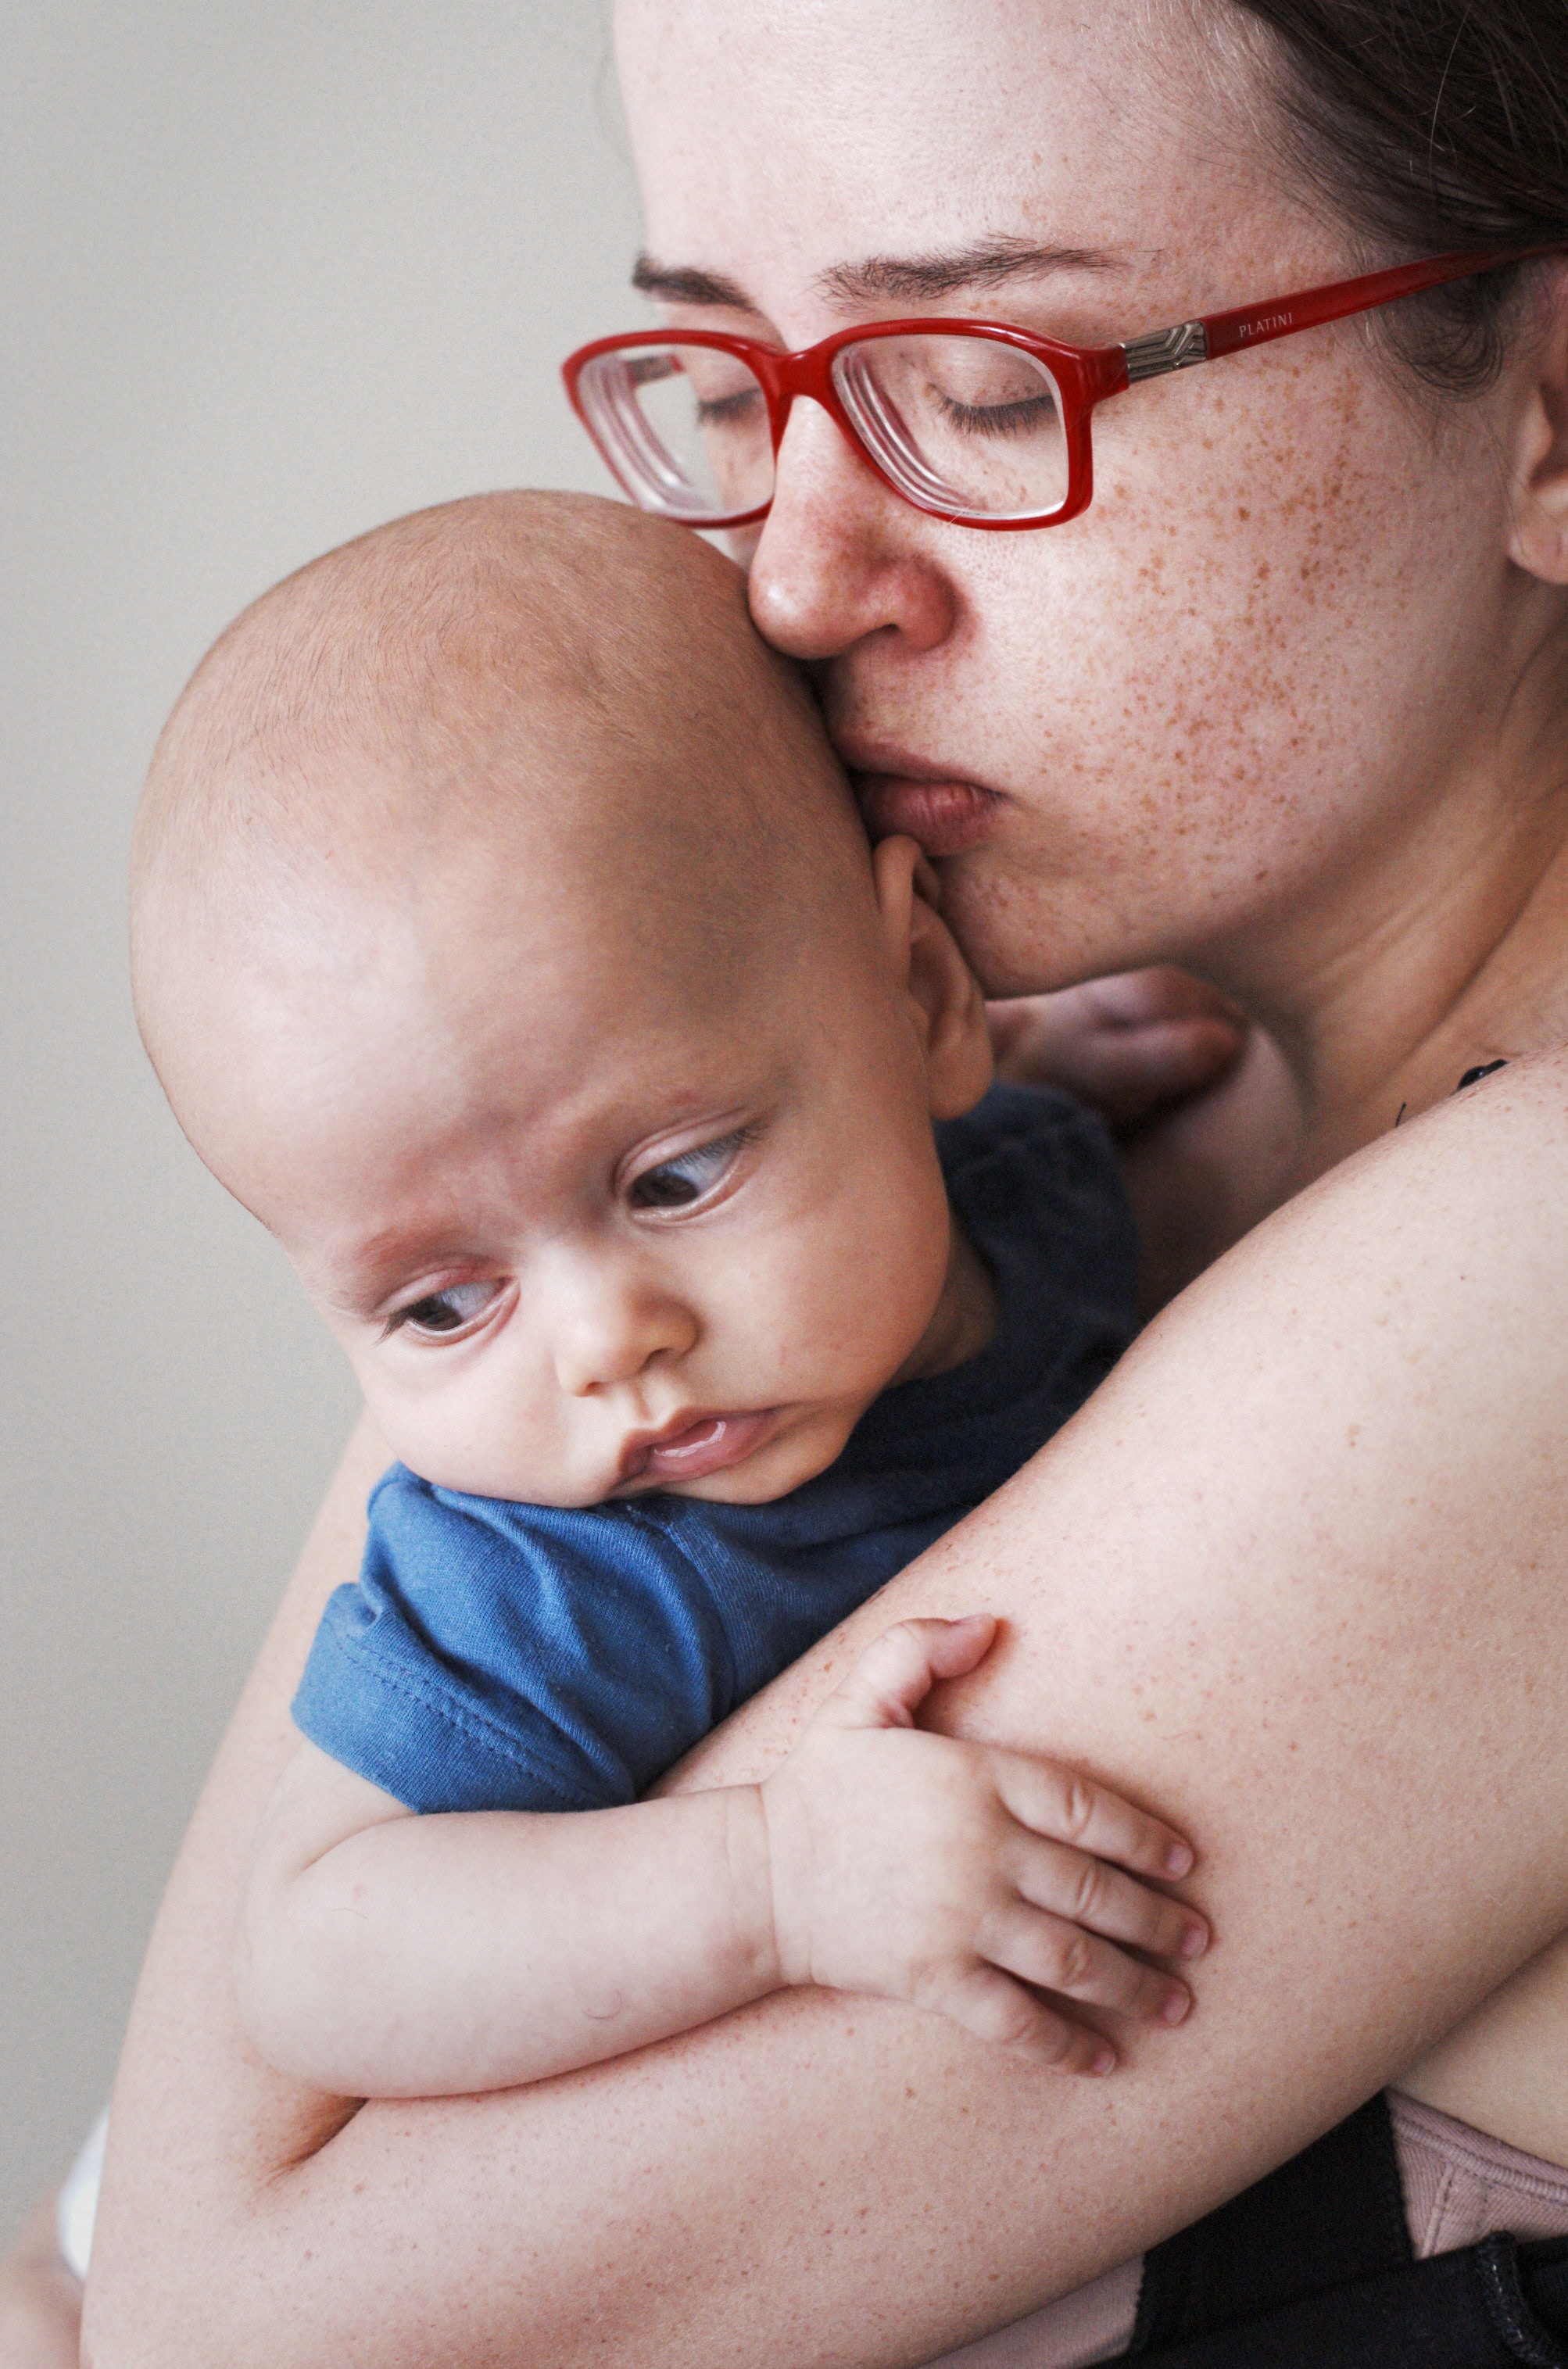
839 555
608 1328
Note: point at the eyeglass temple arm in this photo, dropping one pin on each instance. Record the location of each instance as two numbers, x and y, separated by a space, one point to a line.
1213 334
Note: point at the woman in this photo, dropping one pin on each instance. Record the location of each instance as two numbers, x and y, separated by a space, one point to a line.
1284 704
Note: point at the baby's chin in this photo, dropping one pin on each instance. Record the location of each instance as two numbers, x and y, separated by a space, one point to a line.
803 1446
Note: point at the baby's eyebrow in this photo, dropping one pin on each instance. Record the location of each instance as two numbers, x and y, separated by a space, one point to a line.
358 1282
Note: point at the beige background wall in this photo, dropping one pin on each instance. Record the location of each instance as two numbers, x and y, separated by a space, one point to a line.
270 271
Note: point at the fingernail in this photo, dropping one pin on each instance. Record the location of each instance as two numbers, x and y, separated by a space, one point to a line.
1103 2060
1194 1941
1179 1859
1177 2006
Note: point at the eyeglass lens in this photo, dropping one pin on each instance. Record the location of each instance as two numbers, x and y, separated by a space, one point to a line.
964 424
684 428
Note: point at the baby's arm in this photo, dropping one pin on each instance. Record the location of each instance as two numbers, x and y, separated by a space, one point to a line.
387 1955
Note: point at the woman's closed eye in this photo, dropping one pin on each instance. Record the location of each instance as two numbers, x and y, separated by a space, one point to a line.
1024 416
441 1314
690 1177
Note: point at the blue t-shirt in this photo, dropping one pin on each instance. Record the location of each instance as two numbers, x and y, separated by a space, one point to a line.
502 1656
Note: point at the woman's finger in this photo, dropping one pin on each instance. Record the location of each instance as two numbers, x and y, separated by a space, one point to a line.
989 2004
1054 1800
1057 1956
1091 1893
1129 1046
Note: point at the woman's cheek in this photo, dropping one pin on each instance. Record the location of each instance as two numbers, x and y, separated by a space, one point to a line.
1211 720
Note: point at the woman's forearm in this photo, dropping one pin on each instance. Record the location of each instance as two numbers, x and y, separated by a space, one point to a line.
1294 1578
192 2101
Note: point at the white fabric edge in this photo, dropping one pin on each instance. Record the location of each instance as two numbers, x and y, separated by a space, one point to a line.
78 2206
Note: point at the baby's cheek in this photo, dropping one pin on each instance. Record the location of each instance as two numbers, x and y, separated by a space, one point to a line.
460 1434
406 1423
875 1299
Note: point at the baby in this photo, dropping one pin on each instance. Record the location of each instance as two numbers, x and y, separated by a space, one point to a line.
507 941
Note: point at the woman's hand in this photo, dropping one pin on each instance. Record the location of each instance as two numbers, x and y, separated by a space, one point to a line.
963 1879
1130 1047
1206 1114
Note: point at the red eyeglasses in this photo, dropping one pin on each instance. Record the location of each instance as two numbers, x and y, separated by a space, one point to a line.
971 421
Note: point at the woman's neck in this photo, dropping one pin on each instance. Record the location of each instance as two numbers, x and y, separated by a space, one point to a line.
1445 948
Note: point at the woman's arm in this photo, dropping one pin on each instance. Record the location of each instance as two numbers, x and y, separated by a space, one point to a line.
40 2300
1295 1575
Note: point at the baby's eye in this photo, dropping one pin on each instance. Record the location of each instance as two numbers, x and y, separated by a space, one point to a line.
675 1184
451 1310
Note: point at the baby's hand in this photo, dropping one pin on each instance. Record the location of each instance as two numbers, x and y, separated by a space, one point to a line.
962 1878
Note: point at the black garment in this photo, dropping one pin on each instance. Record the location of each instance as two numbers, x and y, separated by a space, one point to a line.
1313 2269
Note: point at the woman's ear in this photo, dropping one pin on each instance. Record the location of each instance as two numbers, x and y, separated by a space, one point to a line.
1537 539
947 1006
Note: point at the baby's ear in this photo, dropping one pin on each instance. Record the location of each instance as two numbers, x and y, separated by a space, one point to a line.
947 1006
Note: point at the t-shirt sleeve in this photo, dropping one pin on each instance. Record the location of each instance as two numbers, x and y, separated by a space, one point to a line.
1037 1179
494 1656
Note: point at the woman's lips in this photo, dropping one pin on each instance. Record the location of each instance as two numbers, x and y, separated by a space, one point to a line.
707 1445
944 817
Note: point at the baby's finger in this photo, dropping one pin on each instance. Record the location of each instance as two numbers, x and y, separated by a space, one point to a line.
1056 1956
1059 1802
995 2009
1088 1892
886 1686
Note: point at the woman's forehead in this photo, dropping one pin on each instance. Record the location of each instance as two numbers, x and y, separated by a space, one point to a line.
788 144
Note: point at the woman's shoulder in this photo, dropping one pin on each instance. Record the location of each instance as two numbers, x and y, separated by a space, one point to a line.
1489 1160
1419 1289
1221 1169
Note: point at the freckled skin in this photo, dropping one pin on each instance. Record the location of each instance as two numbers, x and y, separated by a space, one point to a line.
1269 708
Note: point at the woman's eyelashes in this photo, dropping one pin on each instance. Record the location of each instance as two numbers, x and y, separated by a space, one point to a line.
442 1313
689 1177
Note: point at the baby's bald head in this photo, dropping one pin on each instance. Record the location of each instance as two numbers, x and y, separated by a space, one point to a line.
524 717
507 941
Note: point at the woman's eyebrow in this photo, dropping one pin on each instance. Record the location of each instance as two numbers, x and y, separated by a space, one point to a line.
988 264
682 284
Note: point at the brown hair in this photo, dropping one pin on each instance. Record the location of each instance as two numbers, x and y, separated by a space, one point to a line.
1433 125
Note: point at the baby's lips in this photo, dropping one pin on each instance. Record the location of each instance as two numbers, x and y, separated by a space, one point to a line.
704 1444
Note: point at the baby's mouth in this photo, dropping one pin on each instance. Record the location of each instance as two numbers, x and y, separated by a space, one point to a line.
703 1444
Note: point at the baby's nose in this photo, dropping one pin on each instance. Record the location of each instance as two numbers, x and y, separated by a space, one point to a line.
609 1332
